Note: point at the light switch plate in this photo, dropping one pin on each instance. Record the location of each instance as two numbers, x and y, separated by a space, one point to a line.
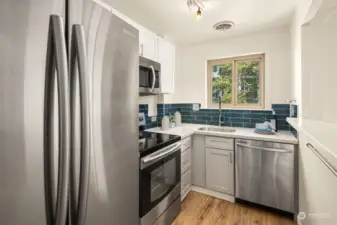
142 121
195 107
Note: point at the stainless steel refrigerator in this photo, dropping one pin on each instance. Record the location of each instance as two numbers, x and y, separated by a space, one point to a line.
68 115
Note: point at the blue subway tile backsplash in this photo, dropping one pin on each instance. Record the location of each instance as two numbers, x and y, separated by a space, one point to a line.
149 124
233 118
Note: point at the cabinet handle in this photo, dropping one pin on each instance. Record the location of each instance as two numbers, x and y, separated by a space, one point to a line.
230 158
219 141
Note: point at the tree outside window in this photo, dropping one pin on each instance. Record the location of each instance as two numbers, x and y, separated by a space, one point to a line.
240 79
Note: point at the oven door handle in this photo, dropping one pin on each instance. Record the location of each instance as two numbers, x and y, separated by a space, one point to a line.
154 78
162 153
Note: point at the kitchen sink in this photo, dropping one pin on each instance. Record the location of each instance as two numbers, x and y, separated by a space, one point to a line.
218 129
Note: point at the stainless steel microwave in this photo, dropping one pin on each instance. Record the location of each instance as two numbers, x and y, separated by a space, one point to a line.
149 77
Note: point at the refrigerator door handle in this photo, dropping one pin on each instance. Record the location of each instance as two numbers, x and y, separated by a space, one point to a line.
78 60
56 59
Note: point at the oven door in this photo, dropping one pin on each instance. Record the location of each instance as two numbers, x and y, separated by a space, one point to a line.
159 176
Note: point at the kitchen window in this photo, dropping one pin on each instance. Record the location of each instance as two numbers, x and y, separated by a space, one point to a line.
241 80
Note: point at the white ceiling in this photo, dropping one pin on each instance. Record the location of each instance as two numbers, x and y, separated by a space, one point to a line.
172 18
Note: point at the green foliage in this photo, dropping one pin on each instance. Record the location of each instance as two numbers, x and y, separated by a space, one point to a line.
247 82
172 119
222 82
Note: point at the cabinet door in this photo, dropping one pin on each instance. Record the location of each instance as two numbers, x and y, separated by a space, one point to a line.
166 58
198 161
220 170
317 185
185 184
147 44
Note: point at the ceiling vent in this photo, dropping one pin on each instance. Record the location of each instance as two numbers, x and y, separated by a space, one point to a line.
223 26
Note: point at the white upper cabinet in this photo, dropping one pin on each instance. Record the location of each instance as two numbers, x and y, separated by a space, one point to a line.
166 57
154 48
147 44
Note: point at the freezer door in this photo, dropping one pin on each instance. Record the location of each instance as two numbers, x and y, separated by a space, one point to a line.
23 52
112 67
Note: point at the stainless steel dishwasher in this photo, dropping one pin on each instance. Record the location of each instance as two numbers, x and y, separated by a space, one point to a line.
265 174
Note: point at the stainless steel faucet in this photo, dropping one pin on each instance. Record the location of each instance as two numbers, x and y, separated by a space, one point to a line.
220 110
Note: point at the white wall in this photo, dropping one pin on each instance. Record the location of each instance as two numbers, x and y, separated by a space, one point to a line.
152 102
191 65
299 19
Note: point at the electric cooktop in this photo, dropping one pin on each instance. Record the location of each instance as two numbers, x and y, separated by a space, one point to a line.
150 142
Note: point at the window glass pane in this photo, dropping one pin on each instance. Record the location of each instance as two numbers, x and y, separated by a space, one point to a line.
248 82
222 80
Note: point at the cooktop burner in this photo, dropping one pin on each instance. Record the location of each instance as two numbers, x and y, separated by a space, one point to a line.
151 142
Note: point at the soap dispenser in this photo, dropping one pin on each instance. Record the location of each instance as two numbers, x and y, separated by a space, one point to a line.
177 117
273 122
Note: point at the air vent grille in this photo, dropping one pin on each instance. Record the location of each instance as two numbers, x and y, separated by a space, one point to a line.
223 26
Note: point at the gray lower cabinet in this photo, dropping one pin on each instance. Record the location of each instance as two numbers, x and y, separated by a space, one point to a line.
198 161
220 170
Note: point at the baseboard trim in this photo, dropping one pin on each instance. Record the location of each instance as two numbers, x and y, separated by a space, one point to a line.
215 194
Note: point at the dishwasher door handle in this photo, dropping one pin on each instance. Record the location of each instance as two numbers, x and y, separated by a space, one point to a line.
265 149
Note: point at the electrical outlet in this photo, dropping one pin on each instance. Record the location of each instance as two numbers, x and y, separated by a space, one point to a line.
153 118
196 107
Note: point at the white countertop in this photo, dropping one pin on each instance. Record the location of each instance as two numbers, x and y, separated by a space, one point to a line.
322 132
186 130
294 122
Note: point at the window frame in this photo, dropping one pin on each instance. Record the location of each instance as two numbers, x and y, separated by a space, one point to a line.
233 60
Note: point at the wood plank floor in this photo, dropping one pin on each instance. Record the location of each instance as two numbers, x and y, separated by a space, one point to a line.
200 209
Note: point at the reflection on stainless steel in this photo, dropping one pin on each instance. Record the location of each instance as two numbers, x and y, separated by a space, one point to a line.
170 214
57 50
79 187
158 155
112 49
24 37
156 212
265 173
35 153
162 179
218 129
165 137
95 47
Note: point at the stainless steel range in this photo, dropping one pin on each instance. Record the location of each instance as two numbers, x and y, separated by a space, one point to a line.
160 167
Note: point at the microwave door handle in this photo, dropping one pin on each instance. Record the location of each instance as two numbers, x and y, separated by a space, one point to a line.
154 78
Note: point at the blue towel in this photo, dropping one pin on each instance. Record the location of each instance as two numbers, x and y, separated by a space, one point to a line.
266 130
